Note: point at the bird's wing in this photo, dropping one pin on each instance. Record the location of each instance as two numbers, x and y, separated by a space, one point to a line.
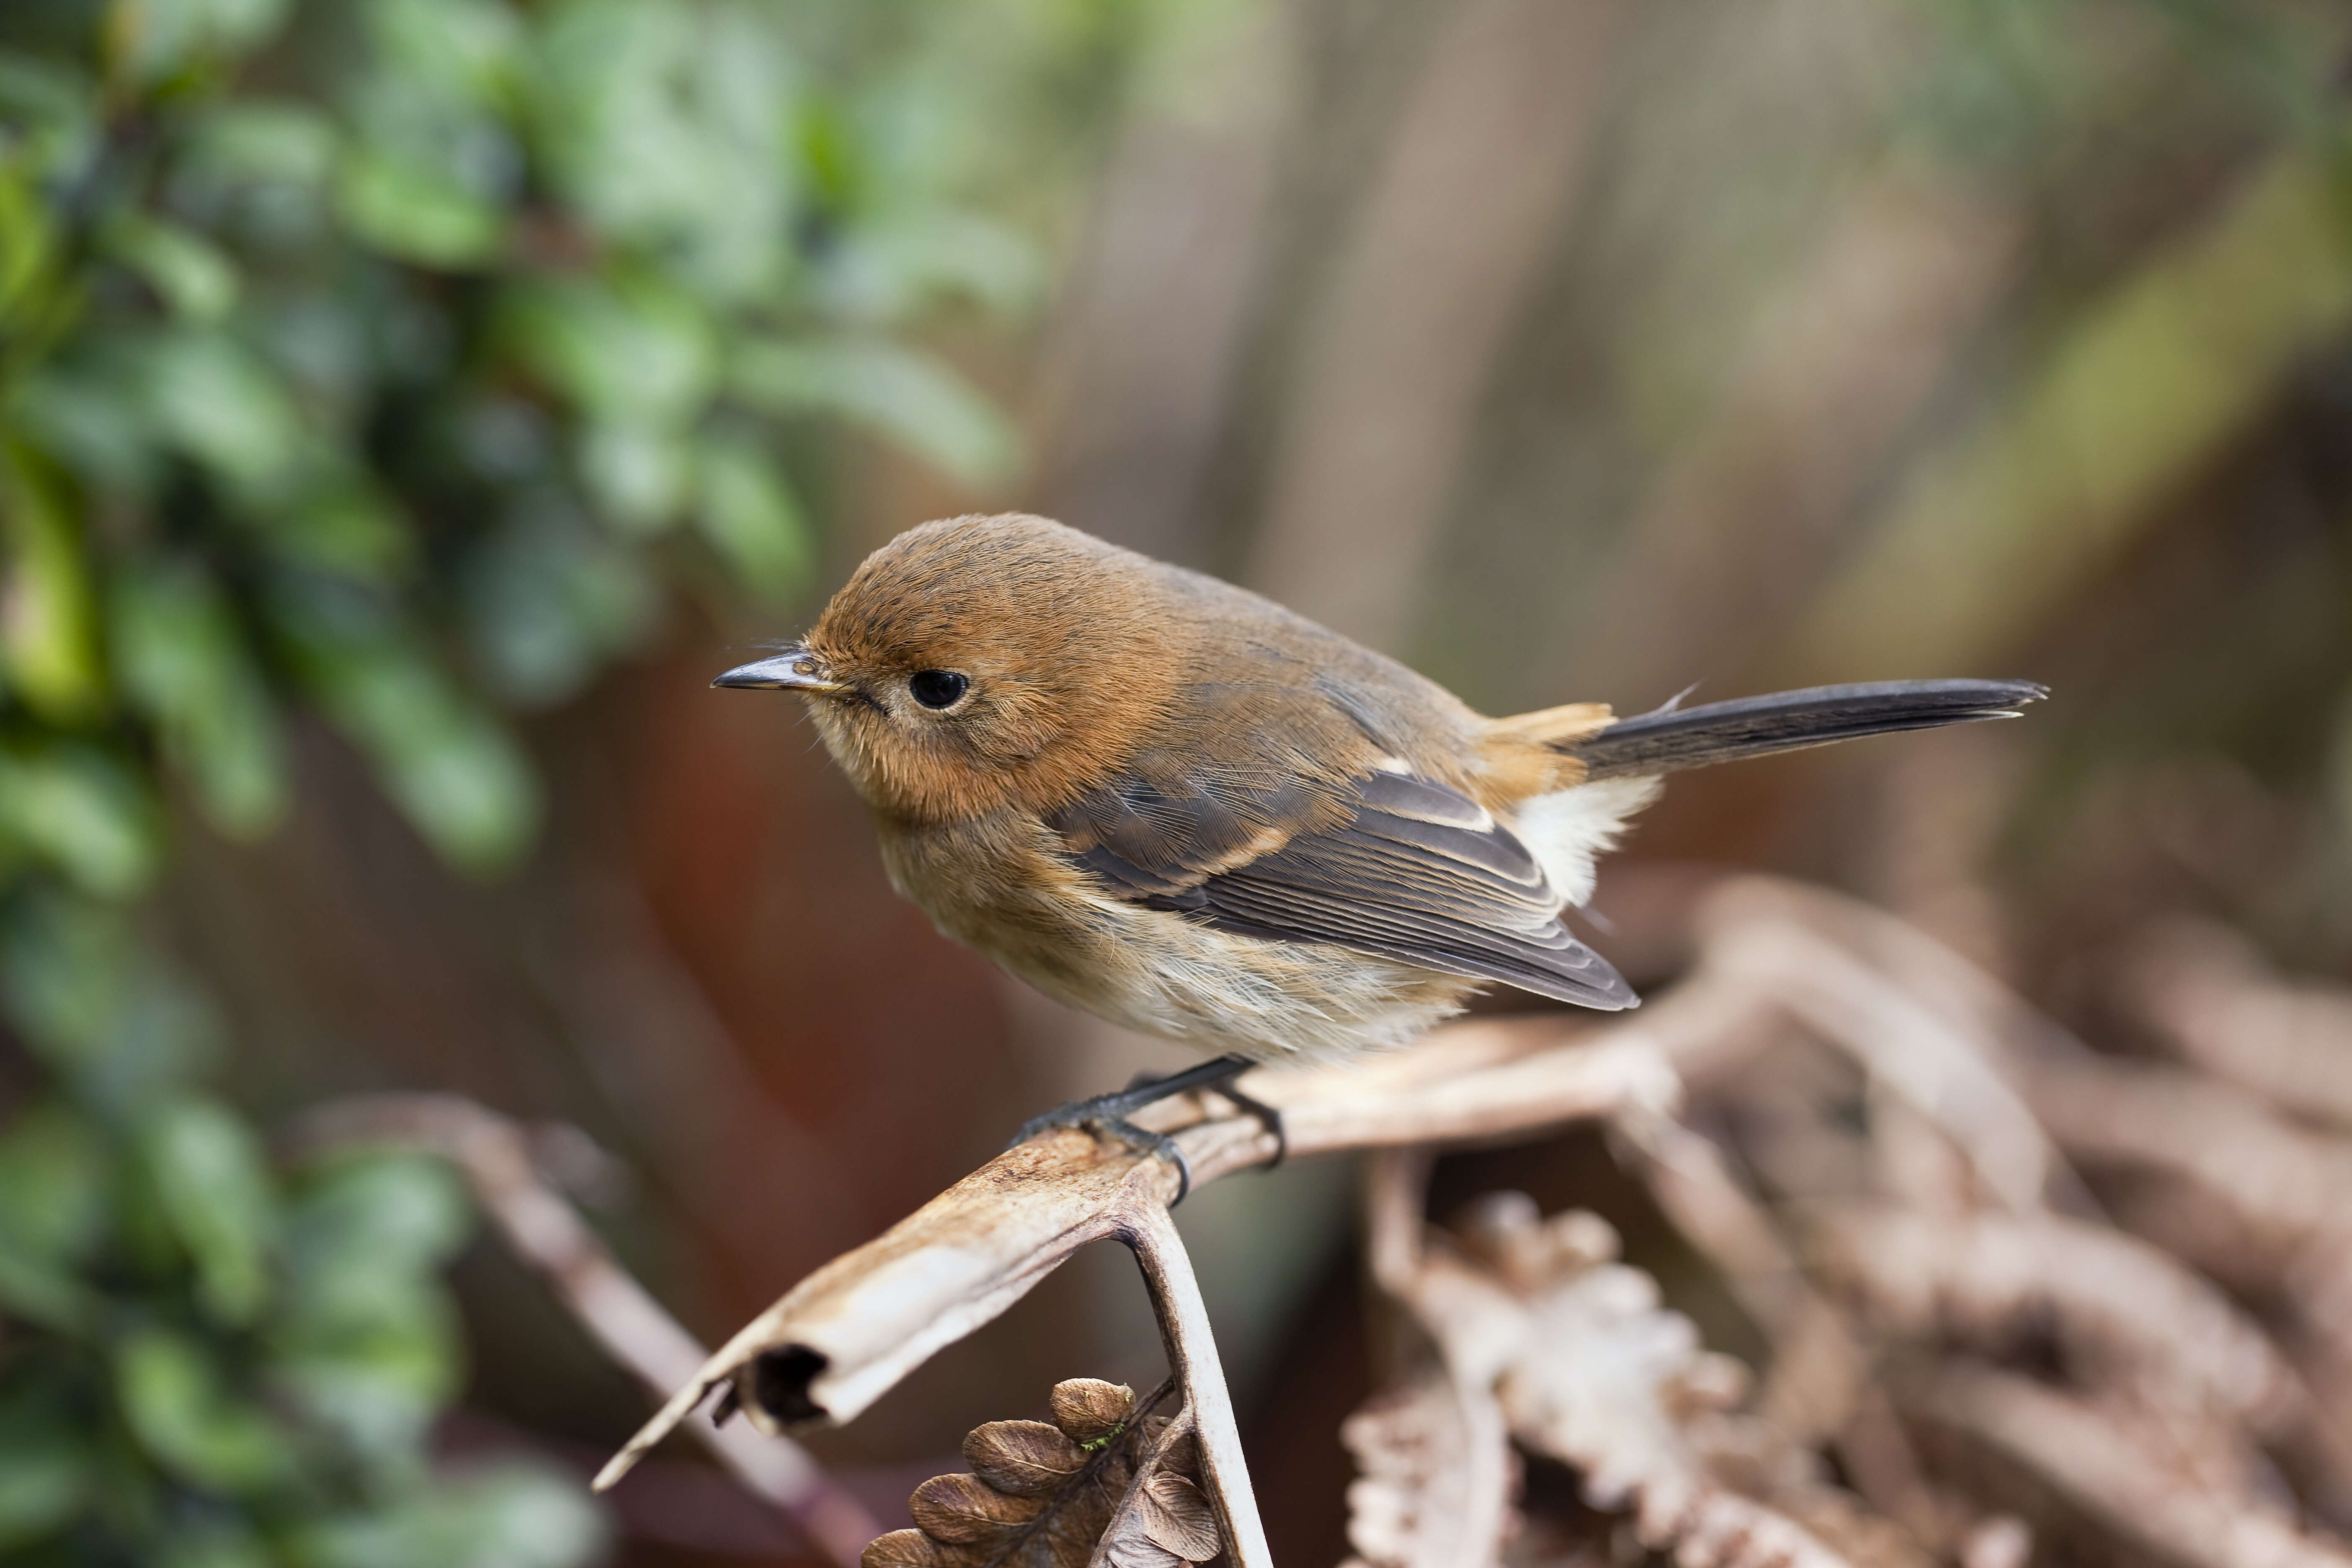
1385 863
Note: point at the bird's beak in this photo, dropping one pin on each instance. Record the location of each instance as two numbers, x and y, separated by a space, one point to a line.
790 669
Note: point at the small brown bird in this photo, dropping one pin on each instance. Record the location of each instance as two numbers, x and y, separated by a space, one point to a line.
1178 805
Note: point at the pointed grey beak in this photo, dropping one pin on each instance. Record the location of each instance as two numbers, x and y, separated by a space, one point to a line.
792 669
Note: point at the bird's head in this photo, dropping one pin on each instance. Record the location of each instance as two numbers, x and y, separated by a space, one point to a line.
983 662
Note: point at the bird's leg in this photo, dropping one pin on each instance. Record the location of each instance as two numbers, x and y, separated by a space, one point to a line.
1229 1069
1107 1113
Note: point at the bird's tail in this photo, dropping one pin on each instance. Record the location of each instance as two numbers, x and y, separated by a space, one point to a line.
1673 737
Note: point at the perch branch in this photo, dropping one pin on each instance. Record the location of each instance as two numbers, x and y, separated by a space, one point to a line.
855 1328
494 1155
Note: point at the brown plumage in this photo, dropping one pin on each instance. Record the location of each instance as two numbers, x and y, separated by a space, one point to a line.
1178 805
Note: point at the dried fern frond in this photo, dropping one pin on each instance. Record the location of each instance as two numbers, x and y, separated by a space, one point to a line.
1423 1490
1166 1520
1106 1481
1586 1366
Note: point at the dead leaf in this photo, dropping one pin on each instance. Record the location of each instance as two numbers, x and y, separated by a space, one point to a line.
1177 1516
1166 1520
1038 1496
963 1510
1024 1459
901 1549
1088 1409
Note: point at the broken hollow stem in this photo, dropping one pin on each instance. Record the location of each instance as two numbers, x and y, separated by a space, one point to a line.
850 1331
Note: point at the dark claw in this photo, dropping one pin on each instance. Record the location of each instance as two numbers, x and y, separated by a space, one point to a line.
1268 1117
1095 1116
1107 1113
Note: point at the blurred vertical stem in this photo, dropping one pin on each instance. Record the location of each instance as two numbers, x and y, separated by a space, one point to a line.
1986 540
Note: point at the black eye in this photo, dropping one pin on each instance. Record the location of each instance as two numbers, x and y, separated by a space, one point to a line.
936 687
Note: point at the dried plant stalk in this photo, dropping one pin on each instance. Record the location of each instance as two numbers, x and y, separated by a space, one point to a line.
547 1233
855 1327
2131 1319
2205 990
2170 1505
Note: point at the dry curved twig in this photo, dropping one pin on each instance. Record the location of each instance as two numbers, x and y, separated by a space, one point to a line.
2205 990
496 1157
851 1330
2131 1322
2170 1503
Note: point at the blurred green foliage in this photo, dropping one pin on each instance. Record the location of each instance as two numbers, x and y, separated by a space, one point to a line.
384 360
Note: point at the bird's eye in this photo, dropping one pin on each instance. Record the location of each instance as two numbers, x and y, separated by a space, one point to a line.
936 687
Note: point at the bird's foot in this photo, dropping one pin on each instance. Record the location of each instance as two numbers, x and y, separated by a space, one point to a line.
1093 1116
1106 1115
1268 1117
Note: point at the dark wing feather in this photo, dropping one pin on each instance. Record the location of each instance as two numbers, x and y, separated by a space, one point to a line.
1411 870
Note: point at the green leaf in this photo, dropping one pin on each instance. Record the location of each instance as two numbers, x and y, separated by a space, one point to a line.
30 245
93 418
668 129
508 1515
250 141
216 400
48 633
51 109
453 771
908 397
470 44
215 1190
182 1410
98 1007
54 1183
892 268
216 1541
631 351
42 1486
42 1291
548 599
377 1378
192 275
47 1475
185 666
157 37
413 212
348 530
367 1341
753 519
83 812
368 1224
637 474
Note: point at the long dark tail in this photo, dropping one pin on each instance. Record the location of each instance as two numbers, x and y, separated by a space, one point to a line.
1673 737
